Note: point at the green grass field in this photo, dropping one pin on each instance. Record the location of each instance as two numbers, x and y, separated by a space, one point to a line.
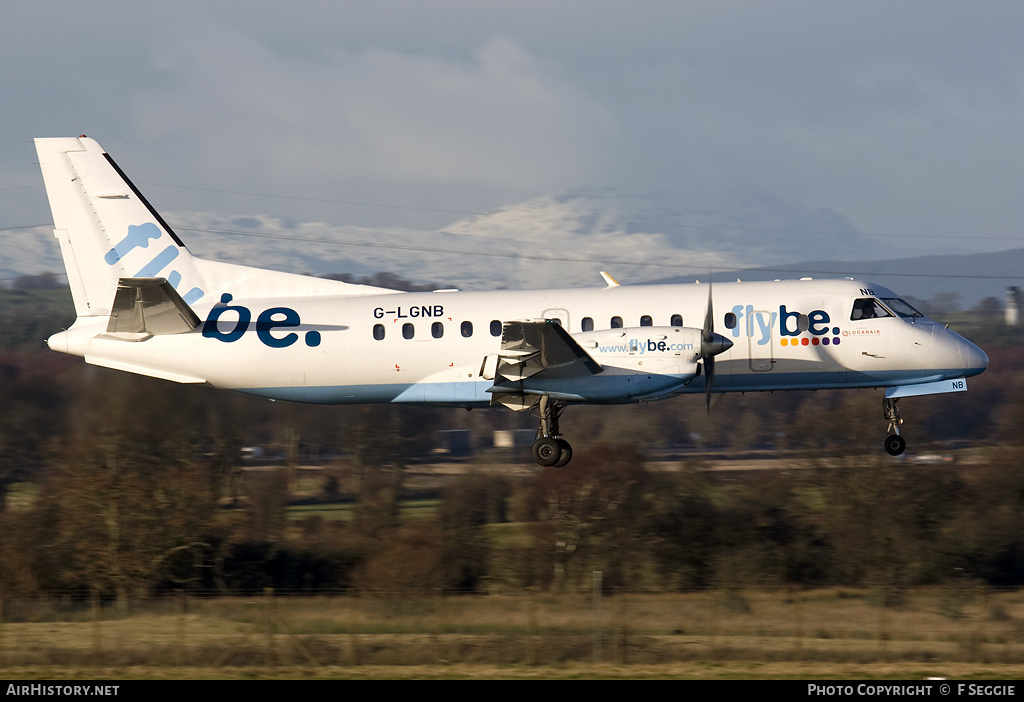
346 510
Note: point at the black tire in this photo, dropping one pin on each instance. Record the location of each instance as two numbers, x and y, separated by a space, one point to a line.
546 452
566 453
895 444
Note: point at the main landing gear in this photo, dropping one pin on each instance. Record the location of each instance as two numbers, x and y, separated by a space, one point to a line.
550 449
894 443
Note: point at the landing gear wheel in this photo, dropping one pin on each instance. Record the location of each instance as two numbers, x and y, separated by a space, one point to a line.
895 444
546 451
549 450
566 453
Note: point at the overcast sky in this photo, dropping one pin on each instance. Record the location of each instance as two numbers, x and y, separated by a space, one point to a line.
905 118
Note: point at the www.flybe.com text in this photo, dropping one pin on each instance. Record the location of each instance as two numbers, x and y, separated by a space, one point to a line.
642 346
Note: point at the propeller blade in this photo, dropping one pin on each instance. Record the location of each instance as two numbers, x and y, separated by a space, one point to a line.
706 340
709 373
711 344
709 316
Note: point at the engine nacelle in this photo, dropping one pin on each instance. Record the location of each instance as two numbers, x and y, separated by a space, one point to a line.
662 350
638 363
630 364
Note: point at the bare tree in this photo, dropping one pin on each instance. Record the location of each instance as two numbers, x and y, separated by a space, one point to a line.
595 497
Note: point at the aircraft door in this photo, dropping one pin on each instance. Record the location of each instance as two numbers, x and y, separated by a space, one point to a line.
761 340
559 314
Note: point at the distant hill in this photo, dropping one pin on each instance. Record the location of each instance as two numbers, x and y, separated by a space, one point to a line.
565 240
554 240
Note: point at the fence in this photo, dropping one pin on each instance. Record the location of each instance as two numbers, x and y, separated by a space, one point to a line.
975 624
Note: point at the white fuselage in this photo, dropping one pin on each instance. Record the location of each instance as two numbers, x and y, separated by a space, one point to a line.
430 347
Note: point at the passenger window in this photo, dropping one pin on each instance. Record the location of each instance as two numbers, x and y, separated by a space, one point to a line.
437 330
467 329
730 320
378 332
677 320
646 321
616 322
408 330
587 324
495 327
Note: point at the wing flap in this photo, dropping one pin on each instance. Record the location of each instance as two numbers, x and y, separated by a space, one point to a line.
536 349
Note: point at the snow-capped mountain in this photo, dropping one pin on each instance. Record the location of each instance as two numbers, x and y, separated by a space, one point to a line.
556 240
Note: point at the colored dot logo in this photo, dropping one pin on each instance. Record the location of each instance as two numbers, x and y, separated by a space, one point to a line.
812 341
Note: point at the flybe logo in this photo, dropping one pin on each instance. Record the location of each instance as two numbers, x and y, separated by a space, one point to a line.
759 325
269 325
138 237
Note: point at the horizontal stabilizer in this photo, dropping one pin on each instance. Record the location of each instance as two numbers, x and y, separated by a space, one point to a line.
145 307
144 370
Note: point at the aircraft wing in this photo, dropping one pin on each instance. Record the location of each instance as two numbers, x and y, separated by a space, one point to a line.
537 349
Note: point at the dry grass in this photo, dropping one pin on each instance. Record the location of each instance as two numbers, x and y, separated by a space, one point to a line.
691 670
714 634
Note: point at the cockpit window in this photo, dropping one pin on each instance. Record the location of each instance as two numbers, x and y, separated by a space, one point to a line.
901 307
868 308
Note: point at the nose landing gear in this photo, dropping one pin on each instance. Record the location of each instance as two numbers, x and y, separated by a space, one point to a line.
550 449
894 443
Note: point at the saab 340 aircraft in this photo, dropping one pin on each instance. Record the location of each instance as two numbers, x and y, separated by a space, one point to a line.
146 305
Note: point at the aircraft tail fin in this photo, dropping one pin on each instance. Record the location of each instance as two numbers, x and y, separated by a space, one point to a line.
107 230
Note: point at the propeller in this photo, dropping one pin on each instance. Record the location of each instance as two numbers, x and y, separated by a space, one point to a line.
711 344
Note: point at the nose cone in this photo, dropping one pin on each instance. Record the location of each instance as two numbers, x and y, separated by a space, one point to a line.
975 360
